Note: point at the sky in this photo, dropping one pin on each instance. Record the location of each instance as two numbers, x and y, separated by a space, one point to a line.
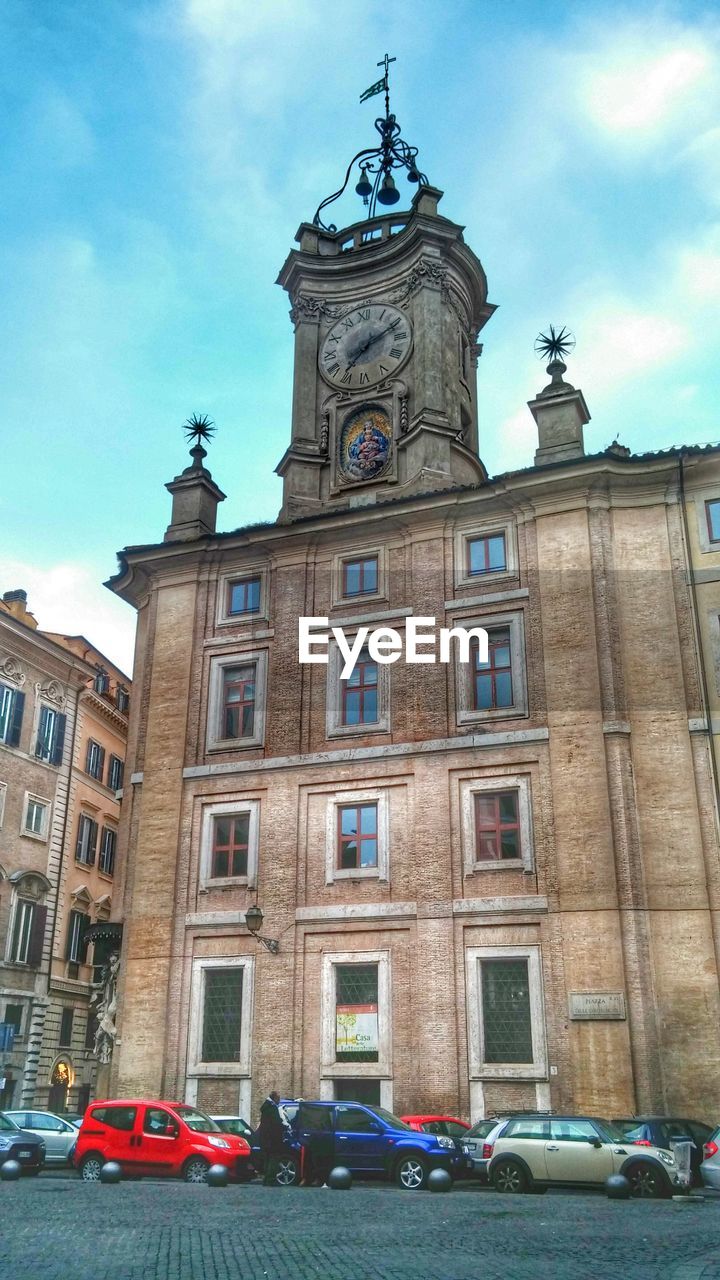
159 156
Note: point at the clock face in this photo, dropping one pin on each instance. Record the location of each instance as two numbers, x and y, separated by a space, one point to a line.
366 345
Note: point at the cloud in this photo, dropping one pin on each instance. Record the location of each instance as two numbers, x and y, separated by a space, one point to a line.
642 91
68 597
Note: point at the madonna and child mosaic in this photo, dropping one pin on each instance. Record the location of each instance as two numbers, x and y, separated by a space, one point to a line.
365 444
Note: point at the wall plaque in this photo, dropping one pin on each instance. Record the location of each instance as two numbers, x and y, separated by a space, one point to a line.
597 1005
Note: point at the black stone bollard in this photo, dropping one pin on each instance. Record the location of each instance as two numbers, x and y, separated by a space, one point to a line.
217 1175
111 1172
617 1187
10 1171
340 1178
439 1180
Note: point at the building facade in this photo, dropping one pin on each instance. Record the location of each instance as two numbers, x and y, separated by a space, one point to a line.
488 883
40 686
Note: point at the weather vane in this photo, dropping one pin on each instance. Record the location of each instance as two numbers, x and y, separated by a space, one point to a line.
555 344
376 183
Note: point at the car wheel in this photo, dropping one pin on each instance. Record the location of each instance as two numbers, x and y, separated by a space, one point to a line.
509 1176
647 1182
287 1174
196 1170
411 1173
90 1168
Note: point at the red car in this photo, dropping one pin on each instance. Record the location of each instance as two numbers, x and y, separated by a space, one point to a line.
449 1125
157 1138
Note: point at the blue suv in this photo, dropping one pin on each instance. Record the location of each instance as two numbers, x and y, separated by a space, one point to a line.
369 1140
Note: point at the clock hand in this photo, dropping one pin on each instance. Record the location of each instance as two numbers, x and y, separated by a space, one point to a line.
370 342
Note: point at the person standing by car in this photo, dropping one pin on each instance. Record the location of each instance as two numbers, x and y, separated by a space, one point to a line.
271 1132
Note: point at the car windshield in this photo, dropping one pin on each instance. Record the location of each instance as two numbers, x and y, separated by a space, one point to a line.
481 1129
388 1118
197 1120
7 1123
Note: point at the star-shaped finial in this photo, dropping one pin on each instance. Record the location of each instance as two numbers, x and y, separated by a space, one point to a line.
199 427
554 344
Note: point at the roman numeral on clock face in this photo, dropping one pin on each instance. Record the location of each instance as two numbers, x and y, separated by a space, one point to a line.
347 376
364 315
364 377
396 353
347 323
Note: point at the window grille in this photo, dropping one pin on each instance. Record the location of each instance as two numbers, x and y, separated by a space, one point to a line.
222 1013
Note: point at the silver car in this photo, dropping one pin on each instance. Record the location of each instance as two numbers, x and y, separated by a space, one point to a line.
478 1142
58 1135
710 1167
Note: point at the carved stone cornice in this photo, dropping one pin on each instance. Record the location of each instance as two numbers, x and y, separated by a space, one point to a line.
425 272
10 669
306 307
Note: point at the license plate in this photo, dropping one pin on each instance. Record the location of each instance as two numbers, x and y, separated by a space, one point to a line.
25 1155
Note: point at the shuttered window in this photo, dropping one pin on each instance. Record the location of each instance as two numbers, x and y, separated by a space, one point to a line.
28 933
95 760
51 735
108 840
86 843
76 947
12 703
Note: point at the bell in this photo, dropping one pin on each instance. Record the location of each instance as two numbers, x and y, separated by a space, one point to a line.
413 175
388 193
364 186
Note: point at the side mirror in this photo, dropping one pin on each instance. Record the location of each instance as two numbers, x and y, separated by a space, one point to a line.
595 1142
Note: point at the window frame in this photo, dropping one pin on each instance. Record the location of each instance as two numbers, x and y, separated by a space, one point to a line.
352 554
106 830
95 760
223 618
484 538
490 528
16 933
360 836
45 803
53 747
330 1068
334 704
360 562
225 809
466 712
479 1069
12 728
472 787
216 686
116 764
75 952
242 1066
86 822
350 799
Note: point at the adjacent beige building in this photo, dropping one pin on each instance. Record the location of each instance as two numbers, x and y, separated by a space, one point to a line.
492 883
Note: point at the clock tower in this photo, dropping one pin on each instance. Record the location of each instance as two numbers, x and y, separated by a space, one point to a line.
386 314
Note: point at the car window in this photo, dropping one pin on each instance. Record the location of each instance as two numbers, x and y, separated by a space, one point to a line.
454 1129
50 1124
527 1128
159 1123
480 1129
573 1130
353 1120
197 1120
20 1118
315 1119
631 1131
434 1126
233 1124
289 1110
700 1133
390 1119
116 1117
7 1123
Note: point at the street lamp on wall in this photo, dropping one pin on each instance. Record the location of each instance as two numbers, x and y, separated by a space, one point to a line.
253 920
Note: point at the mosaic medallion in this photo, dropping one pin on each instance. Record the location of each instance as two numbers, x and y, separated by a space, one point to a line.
365 444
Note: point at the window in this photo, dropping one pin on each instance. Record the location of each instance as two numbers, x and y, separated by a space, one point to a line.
506 1021
35 819
108 841
51 735
236 713
122 699
357 836
356 1013
101 683
360 577
116 769
497 826
28 933
160 1123
712 514
76 947
230 844
507 1034
492 680
359 693
573 1131
12 702
86 843
13 1017
243 596
222 1015
66 1026
486 554
91 1027
95 760
527 1128
229 841
116 1117
495 689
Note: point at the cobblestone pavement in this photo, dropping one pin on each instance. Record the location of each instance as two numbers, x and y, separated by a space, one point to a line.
52 1228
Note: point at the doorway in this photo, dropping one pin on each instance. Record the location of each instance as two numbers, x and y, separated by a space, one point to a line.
366 1091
